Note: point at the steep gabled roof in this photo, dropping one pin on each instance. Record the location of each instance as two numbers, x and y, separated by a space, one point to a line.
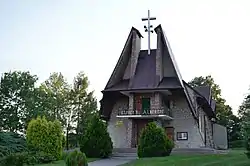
166 42
208 105
145 71
123 59
205 91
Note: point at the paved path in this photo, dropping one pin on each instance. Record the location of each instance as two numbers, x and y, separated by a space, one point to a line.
115 161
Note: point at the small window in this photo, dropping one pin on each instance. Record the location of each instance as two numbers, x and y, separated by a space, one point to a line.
182 136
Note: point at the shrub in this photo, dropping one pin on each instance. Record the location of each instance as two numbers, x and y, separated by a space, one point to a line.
11 143
237 144
15 159
153 142
45 136
96 142
76 158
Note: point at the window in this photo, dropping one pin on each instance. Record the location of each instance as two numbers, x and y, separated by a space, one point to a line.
182 136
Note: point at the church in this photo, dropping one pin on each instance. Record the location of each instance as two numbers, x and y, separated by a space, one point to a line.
146 86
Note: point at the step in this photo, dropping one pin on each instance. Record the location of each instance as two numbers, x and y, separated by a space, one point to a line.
124 154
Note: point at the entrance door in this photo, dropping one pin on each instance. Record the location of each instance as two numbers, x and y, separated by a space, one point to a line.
140 124
170 132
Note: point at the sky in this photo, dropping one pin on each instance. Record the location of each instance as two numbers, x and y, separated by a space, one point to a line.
206 36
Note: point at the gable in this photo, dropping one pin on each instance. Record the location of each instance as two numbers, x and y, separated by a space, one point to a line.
123 68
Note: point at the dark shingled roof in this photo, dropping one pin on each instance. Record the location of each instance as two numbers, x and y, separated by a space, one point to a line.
122 85
170 83
145 75
205 91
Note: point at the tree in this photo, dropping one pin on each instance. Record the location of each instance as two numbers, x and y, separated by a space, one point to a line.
244 113
84 104
96 142
224 112
54 98
16 100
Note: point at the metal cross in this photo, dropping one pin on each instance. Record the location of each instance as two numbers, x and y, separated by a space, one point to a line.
147 28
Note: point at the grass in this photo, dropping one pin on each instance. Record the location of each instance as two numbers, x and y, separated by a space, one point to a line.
62 163
234 158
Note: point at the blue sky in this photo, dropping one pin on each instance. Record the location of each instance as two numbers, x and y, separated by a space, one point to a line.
207 37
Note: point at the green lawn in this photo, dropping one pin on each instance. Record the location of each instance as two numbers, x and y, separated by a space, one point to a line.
234 158
62 163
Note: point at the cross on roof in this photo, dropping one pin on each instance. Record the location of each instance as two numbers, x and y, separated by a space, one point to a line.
148 28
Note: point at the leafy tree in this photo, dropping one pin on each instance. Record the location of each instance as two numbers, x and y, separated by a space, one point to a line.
54 98
16 100
96 142
224 112
244 113
84 104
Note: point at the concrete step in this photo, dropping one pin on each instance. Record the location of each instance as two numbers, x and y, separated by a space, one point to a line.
124 154
132 152
125 150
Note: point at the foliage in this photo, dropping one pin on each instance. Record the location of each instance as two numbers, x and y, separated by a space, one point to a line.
40 158
16 100
46 136
83 107
154 142
26 158
96 142
237 144
244 113
224 112
14 159
11 143
76 158
72 140
54 98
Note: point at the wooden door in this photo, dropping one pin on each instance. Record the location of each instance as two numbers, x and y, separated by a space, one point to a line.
170 132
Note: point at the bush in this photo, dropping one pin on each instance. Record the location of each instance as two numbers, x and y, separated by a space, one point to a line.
45 136
20 159
153 142
11 143
237 144
76 158
96 142
15 159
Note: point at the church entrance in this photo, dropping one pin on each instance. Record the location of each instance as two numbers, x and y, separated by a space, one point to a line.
139 125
